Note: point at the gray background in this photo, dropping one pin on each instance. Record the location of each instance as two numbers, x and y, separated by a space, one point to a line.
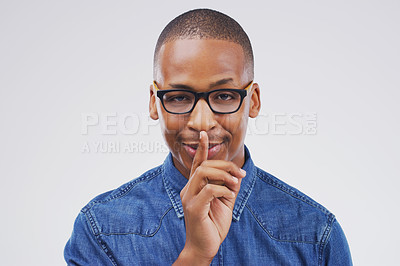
62 59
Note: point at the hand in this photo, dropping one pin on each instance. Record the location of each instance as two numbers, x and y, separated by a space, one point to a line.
208 200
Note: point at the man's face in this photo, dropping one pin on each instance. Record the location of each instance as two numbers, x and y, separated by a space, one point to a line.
201 66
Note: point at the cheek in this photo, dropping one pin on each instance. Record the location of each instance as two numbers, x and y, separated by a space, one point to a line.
235 124
169 130
242 120
171 124
240 129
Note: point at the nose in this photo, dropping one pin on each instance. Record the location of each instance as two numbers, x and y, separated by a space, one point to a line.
202 117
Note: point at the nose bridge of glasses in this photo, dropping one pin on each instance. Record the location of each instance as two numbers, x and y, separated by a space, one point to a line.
201 96
202 100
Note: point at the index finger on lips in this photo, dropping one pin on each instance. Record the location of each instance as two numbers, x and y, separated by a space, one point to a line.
201 152
199 157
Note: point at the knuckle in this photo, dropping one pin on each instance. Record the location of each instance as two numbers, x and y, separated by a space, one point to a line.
208 188
227 176
201 172
191 209
205 163
183 200
200 169
184 189
232 166
188 208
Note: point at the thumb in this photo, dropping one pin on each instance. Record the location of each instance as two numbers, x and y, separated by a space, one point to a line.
201 152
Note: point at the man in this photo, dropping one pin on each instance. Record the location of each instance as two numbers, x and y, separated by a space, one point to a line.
207 203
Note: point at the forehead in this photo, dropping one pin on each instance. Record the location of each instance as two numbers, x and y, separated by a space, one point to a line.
200 62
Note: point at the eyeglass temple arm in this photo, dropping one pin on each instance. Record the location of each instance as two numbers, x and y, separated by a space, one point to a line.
249 86
155 86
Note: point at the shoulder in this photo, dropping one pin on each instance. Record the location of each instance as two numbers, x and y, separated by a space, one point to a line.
287 214
121 211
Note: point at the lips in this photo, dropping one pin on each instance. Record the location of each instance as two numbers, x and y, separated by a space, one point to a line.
195 145
213 149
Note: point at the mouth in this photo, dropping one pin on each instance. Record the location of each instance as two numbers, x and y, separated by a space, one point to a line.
213 149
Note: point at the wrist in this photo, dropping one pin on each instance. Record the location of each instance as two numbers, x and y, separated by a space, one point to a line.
189 257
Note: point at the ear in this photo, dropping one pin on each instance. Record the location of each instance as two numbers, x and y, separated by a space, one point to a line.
152 104
255 103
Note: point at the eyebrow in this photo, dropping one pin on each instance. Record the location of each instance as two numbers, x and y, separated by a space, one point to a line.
214 84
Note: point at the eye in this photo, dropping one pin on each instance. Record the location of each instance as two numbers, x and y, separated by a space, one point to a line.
177 97
224 96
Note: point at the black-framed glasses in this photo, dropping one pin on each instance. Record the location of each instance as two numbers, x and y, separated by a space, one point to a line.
220 101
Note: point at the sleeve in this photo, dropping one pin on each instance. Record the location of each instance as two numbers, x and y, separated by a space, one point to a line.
336 249
83 248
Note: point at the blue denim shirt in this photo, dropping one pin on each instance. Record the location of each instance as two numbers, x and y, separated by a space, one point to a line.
142 223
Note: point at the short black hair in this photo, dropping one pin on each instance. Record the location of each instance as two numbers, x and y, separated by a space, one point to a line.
206 24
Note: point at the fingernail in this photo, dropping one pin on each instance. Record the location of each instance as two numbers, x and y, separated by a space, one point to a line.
243 171
201 134
235 179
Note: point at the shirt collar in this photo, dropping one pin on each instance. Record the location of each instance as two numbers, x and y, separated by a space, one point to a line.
174 182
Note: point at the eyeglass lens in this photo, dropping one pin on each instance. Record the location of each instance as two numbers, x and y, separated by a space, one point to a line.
220 101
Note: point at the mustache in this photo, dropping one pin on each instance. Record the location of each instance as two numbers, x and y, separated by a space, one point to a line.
195 136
